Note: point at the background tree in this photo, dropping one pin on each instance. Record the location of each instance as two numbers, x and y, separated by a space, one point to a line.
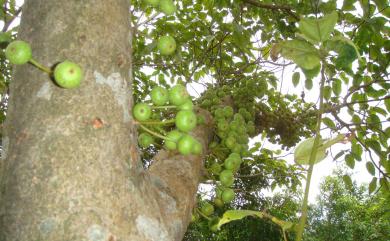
348 213
77 148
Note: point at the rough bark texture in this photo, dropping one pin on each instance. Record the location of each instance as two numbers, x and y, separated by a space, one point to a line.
63 175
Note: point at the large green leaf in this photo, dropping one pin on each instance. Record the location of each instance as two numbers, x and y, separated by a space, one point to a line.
232 215
318 30
301 52
303 151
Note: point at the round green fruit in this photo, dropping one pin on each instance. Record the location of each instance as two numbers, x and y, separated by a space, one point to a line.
167 7
218 202
228 195
226 178
228 111
197 148
178 95
230 142
159 95
142 112
68 75
172 139
207 209
215 168
230 164
185 120
187 105
154 3
185 144
145 140
18 52
166 45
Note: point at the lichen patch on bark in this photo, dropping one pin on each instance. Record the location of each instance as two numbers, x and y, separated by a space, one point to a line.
97 233
151 229
45 91
47 226
4 149
119 86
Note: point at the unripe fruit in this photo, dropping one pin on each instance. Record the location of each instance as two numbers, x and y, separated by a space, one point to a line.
166 45
159 95
230 164
185 120
218 202
154 3
187 105
18 52
145 140
142 112
68 75
173 137
178 95
228 111
228 195
215 168
226 178
167 7
185 144
207 209
197 148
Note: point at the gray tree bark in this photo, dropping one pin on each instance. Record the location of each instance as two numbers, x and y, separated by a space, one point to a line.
70 167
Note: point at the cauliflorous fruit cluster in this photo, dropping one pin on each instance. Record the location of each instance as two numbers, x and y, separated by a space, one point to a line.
185 120
66 74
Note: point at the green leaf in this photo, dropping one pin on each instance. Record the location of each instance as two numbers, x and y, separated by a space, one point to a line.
370 168
348 5
372 185
338 155
350 161
318 30
336 86
348 181
387 104
309 84
301 52
232 215
327 92
329 123
357 151
311 73
303 151
295 78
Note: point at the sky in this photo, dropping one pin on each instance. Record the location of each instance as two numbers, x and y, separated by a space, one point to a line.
322 169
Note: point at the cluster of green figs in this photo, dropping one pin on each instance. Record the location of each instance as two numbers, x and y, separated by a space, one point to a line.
185 119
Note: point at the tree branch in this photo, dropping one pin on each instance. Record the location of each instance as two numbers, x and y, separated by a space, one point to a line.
288 9
176 178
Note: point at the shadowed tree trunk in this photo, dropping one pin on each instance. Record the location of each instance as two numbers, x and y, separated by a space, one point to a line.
70 167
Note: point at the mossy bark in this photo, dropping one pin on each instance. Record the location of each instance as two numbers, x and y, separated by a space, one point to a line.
70 167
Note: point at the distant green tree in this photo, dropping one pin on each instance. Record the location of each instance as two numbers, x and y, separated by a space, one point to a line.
343 214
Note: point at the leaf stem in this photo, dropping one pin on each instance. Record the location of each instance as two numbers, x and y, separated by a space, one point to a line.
40 66
302 221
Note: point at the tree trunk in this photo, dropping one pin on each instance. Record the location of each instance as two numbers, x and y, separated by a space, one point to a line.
70 167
